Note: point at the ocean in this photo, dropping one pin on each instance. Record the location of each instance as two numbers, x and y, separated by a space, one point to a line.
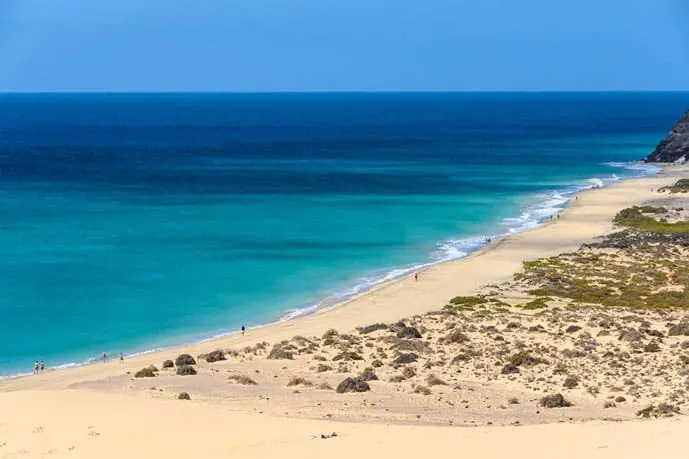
131 222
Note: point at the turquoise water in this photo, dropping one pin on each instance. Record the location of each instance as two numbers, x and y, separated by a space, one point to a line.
133 222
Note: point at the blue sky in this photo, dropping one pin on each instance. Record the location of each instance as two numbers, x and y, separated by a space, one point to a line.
361 45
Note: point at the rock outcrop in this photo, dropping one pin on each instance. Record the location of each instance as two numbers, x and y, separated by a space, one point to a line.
675 147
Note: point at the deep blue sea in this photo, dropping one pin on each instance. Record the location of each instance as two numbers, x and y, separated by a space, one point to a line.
130 222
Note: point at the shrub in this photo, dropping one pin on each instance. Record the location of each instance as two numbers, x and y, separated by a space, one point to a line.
657 411
352 385
652 347
433 380
571 382
325 386
185 370
538 303
371 328
468 300
509 369
299 381
408 332
635 217
560 369
347 356
630 336
524 358
573 353
278 353
555 401
184 359
183 396
404 359
214 356
681 186
408 372
332 333
376 363
513 401
241 379
148 372
412 345
423 390
681 329
168 364
455 337
461 357
323 368
368 375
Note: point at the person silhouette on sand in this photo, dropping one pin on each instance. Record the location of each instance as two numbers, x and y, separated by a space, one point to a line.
243 330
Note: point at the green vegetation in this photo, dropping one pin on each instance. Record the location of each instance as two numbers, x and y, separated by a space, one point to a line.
468 300
647 270
636 217
468 303
539 303
682 186
148 372
643 266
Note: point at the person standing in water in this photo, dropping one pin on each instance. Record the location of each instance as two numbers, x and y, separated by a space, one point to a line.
121 357
104 357
243 330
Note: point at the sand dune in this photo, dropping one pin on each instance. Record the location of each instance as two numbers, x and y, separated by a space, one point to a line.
84 424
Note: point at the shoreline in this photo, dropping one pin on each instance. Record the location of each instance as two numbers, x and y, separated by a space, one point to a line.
256 405
289 315
306 323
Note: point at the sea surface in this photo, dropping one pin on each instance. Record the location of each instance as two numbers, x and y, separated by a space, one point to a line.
131 222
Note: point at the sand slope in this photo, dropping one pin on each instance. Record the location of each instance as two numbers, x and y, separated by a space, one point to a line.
91 425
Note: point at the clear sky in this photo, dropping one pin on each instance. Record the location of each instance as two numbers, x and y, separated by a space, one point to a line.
361 45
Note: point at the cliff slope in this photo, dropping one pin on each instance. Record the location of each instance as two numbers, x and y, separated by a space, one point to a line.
675 146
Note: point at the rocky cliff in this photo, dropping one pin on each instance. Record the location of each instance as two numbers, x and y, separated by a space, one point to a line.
675 147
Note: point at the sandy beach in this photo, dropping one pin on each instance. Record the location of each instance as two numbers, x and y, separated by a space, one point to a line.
253 405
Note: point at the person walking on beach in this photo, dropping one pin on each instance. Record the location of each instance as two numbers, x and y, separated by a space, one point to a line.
243 330
121 357
104 357
416 276
42 366
35 367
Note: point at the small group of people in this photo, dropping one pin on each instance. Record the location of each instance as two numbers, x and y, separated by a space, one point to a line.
38 367
104 357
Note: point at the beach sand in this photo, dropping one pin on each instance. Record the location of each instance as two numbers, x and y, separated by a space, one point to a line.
100 410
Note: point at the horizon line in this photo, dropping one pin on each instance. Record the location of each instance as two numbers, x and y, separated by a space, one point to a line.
499 91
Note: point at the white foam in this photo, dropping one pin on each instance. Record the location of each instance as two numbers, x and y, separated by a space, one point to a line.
643 169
